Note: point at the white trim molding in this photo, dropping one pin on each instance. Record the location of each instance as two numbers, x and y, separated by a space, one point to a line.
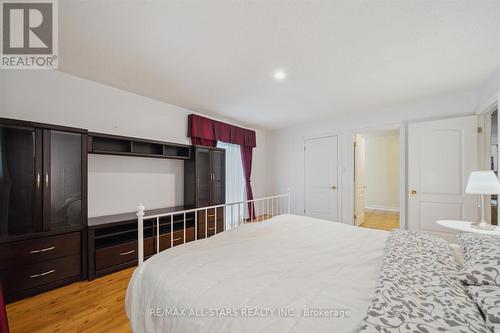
382 208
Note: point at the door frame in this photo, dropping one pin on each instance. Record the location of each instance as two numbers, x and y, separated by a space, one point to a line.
403 177
339 170
482 112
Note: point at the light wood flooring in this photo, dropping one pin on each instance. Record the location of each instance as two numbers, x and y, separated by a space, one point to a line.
377 219
259 218
83 307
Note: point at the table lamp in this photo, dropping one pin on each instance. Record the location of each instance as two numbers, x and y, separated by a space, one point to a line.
483 182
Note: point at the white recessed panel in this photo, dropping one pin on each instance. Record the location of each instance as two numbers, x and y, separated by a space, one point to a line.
441 169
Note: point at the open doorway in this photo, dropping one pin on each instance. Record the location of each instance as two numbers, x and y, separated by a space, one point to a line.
377 179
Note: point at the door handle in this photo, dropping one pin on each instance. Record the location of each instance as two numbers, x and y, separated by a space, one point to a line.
38 180
333 187
413 192
46 179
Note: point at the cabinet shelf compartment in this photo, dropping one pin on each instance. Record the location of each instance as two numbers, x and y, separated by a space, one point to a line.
104 242
113 239
127 146
114 235
146 148
165 228
110 145
176 151
115 230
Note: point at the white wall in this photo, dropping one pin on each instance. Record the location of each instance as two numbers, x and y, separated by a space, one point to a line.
120 182
285 155
382 171
58 98
488 90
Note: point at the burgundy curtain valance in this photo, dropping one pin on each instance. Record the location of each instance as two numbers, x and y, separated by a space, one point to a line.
209 131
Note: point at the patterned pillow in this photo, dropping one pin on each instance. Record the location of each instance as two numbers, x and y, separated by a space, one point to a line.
487 299
481 259
417 290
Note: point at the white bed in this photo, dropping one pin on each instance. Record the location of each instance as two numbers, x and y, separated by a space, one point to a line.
288 262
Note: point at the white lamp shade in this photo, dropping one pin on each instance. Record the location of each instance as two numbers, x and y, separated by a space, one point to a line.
483 182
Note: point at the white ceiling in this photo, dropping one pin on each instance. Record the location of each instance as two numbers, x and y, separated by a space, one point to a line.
218 57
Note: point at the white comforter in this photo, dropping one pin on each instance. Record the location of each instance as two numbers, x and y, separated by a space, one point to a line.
238 280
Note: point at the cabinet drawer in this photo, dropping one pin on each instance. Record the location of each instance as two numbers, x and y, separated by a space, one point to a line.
210 225
118 254
177 239
41 273
38 250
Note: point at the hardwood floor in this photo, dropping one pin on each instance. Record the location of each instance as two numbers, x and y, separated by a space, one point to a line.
83 307
259 218
377 219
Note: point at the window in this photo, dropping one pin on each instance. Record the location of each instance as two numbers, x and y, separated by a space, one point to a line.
235 181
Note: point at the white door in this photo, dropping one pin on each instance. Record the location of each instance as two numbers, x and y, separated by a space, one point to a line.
321 178
441 155
359 180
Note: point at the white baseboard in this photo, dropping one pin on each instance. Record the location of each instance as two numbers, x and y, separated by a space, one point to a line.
387 209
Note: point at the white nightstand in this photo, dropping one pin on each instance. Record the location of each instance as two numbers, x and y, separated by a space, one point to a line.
465 226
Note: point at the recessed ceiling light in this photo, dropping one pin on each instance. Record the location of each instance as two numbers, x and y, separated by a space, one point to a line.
279 75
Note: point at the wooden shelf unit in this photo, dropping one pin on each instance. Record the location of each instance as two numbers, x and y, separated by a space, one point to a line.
43 195
113 238
107 144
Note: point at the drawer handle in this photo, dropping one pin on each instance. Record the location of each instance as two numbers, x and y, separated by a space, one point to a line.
213 228
43 250
211 215
42 274
128 252
177 239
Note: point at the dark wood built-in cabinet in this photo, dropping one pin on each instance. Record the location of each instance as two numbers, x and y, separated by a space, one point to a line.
113 239
46 239
20 180
35 265
127 146
43 206
205 177
205 185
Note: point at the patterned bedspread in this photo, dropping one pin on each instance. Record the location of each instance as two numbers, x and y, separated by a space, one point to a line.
418 290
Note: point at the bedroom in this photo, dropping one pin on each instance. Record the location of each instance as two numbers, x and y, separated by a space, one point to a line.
233 124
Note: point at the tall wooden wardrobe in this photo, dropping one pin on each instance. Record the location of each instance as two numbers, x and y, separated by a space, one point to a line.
43 206
205 185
